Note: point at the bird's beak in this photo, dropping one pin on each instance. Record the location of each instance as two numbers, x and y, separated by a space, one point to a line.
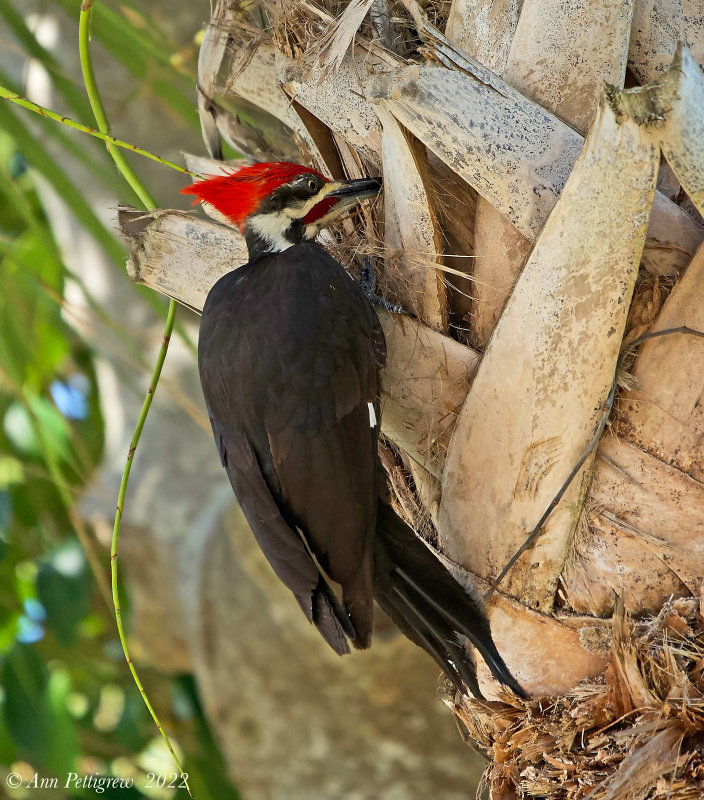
354 191
334 199
337 197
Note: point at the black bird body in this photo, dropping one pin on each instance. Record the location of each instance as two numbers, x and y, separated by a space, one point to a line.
289 355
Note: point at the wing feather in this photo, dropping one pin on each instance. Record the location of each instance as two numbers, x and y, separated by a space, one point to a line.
282 546
289 354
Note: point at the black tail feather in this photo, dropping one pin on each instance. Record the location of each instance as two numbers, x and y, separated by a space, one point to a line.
413 628
460 669
430 607
330 618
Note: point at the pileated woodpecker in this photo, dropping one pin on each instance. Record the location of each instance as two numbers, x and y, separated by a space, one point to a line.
289 353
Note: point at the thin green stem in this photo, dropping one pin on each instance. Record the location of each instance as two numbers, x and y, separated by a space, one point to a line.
79 126
156 373
99 112
130 176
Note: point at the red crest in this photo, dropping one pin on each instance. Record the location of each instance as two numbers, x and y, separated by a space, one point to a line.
238 194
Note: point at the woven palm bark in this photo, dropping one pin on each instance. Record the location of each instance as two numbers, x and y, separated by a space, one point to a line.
537 218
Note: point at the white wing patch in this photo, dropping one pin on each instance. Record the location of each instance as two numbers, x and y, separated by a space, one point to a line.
372 415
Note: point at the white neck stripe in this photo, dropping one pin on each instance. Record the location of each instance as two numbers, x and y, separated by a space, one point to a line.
271 228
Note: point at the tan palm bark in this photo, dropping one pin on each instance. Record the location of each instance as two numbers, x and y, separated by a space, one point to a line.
491 440
559 56
561 330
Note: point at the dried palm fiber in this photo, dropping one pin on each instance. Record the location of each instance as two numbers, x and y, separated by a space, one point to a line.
448 193
410 228
338 108
671 110
405 496
634 732
648 298
412 239
258 137
484 30
669 419
651 476
401 98
631 526
411 232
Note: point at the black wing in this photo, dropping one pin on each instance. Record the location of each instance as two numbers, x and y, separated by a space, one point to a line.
288 356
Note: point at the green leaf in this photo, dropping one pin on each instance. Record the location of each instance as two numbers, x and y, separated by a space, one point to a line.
17 426
33 337
145 57
208 783
206 769
129 45
24 681
179 101
38 157
11 471
8 751
66 599
20 208
37 426
44 164
131 728
63 746
71 93
5 519
8 630
26 580
86 150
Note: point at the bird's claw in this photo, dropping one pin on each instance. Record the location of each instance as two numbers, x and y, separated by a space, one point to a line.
367 283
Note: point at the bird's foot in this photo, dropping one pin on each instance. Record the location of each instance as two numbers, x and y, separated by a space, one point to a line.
367 283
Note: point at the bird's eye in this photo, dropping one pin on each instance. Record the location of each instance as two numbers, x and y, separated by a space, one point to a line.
312 184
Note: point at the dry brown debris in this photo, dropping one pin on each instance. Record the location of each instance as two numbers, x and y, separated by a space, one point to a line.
637 733
305 27
648 298
403 493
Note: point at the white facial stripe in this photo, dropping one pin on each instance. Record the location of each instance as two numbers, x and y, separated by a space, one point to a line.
299 211
271 228
372 415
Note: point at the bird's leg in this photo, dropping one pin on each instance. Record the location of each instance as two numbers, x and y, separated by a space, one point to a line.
367 283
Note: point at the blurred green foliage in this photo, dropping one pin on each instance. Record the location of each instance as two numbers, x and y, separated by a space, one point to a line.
67 700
